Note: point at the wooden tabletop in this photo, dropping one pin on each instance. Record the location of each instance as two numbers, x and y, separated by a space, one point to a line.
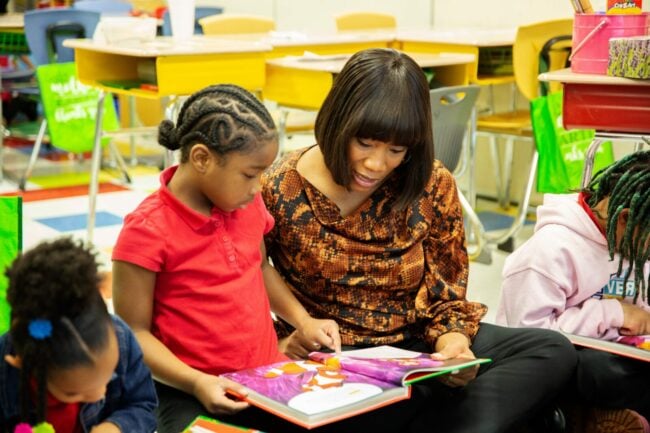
461 36
12 21
167 46
335 63
566 76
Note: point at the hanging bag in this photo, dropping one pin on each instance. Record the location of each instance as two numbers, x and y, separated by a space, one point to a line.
561 152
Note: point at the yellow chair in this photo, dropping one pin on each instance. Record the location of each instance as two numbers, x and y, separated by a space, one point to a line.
228 24
365 21
531 40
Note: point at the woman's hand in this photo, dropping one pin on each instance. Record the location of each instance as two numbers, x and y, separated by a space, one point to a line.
455 345
211 392
636 321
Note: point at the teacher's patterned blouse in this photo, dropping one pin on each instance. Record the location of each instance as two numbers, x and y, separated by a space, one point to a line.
385 276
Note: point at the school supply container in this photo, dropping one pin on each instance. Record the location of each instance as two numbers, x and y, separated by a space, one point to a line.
629 57
607 108
591 34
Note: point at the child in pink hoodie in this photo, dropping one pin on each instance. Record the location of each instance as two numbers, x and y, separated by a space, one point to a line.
585 271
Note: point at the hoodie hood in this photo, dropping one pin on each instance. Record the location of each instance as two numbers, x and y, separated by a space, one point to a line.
565 210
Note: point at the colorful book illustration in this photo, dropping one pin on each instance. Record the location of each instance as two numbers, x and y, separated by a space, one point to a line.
328 387
637 347
203 424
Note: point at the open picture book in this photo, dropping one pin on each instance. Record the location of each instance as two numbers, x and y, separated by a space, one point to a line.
329 387
637 347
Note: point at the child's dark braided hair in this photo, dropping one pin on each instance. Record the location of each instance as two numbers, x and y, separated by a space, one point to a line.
58 317
226 118
627 184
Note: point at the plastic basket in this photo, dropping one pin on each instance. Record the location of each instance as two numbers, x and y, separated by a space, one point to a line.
13 43
495 61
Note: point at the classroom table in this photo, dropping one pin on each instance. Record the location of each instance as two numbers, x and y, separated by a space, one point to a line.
304 81
295 43
167 67
162 67
617 108
463 40
10 24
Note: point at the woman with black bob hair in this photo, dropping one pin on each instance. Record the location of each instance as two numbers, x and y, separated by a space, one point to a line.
369 232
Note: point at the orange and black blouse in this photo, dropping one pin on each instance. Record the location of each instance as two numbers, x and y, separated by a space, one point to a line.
384 275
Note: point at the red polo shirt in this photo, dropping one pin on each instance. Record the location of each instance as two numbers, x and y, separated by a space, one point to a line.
210 303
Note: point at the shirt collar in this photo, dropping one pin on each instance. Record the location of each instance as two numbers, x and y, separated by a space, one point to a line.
195 220
582 201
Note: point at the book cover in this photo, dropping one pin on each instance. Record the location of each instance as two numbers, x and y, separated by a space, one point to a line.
203 424
636 347
329 387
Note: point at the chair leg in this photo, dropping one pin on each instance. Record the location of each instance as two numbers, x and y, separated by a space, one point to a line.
282 131
478 253
93 187
507 173
590 156
34 156
496 164
121 164
520 219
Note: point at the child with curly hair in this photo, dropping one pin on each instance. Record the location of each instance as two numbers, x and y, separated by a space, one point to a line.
68 365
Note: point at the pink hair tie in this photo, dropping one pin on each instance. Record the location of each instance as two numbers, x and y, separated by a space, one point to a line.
23 428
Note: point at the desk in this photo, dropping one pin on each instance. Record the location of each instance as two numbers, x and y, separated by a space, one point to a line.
470 41
11 25
180 68
304 81
291 43
617 108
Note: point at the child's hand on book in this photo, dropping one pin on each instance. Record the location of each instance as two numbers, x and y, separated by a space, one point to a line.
636 321
211 392
313 334
455 345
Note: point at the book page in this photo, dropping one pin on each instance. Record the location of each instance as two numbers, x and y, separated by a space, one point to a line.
633 348
381 352
309 387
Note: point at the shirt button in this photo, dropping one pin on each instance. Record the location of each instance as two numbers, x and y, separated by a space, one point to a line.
224 238
231 258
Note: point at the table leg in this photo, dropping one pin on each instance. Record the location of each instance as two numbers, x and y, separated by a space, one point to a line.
93 188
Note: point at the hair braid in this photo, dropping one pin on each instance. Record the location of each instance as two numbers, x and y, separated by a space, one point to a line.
627 184
226 118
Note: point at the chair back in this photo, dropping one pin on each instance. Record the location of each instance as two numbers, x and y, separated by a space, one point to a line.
451 109
105 7
199 12
11 238
48 28
530 43
365 21
226 24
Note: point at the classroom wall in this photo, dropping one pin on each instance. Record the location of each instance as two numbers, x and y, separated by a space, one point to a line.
317 15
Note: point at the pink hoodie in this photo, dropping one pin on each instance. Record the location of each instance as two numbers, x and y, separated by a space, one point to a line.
562 278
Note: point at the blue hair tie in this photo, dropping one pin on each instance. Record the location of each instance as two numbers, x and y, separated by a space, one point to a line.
40 329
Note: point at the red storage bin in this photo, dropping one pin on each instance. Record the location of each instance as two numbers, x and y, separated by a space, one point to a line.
607 108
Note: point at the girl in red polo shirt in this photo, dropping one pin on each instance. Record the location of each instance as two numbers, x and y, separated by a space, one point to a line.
190 274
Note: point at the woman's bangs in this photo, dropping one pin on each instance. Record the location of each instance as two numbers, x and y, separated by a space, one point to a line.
399 124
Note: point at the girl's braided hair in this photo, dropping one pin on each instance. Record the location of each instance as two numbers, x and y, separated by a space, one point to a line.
226 118
627 184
